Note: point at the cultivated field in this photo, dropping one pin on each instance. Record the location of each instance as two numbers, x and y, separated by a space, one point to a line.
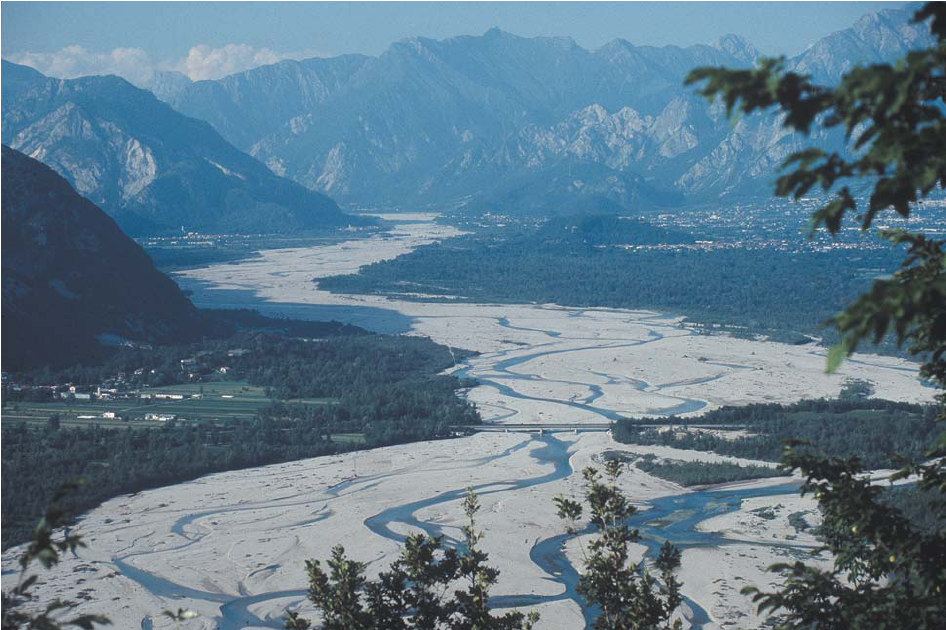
211 401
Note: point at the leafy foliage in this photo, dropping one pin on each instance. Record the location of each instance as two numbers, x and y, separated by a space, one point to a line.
856 389
894 117
888 571
413 592
627 594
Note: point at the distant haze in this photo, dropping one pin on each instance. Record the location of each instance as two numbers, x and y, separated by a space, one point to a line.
494 121
207 40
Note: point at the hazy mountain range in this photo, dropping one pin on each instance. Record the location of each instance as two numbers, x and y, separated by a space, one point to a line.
501 115
492 122
151 168
72 280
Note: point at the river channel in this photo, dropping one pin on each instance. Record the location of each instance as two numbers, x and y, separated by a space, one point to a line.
672 518
232 546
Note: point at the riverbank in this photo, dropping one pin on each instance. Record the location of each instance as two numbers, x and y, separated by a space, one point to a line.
232 546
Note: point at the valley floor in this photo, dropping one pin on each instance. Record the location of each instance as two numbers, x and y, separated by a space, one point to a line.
232 546
556 364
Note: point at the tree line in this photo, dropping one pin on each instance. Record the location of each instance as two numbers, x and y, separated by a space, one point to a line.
880 433
783 294
697 473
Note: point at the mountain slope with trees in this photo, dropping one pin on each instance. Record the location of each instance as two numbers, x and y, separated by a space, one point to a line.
72 279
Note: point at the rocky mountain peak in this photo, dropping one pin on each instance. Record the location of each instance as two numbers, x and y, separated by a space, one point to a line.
438 121
738 47
145 164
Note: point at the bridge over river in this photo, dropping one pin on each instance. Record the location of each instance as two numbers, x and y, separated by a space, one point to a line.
582 427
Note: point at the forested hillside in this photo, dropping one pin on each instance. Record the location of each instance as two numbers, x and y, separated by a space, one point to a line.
72 281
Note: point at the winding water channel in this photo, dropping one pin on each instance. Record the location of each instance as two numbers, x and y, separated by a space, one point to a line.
537 363
672 518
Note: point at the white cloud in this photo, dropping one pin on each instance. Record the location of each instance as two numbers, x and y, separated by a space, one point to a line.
133 64
137 66
206 62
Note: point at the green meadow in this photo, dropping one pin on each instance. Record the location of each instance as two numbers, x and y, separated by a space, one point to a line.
220 401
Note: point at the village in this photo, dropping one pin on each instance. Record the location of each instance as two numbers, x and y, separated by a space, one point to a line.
200 387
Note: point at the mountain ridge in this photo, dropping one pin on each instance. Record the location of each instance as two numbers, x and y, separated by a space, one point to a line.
149 166
458 121
434 121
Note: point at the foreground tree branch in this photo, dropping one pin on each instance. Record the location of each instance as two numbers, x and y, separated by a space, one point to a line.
887 571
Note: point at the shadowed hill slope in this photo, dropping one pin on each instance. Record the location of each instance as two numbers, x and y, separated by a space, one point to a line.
72 280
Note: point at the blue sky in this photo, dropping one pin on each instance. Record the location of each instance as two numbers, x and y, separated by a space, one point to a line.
207 39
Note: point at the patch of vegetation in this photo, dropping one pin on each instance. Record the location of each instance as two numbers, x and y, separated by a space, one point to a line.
856 389
778 293
797 521
871 430
767 512
923 510
703 473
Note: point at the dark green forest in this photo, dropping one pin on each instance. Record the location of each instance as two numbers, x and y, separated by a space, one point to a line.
696 473
385 388
784 294
871 430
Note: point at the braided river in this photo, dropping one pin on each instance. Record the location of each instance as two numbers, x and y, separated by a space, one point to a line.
232 546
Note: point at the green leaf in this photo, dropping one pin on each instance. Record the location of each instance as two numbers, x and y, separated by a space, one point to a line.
836 355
